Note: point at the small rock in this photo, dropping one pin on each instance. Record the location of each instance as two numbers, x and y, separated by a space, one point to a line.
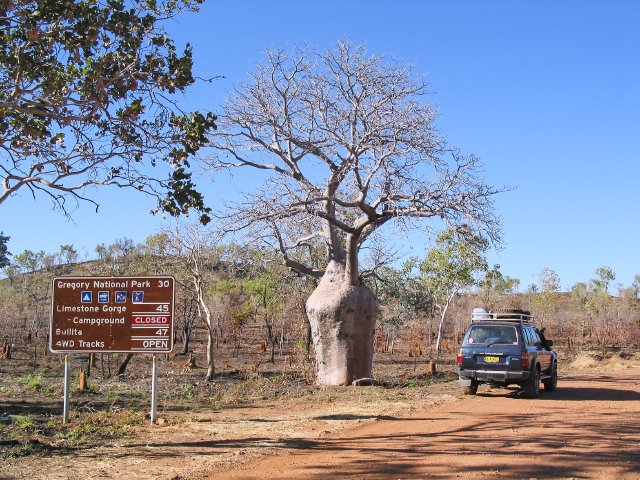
362 382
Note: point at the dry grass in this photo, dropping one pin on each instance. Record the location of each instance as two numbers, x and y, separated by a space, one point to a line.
592 361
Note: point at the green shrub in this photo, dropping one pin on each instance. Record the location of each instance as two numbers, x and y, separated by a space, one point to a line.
30 381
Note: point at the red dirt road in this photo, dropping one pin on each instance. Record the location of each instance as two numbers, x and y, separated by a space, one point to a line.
589 428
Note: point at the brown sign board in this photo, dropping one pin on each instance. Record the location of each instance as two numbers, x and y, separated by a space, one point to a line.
112 314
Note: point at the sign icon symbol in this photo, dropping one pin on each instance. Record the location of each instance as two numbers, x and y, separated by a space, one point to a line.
86 297
121 296
137 296
103 297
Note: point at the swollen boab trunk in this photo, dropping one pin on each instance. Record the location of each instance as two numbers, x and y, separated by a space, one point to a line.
343 319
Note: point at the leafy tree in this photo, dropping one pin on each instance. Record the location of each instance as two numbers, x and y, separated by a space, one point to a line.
495 284
546 300
87 93
264 296
34 290
68 254
596 302
605 275
29 262
4 251
629 299
451 265
533 288
549 281
402 295
117 258
347 144
402 286
231 309
636 284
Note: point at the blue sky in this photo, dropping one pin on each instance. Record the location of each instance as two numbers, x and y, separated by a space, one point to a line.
547 93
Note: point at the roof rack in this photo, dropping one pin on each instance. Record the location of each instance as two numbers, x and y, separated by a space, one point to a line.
503 315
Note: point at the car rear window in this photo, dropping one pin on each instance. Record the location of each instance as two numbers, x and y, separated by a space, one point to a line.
485 334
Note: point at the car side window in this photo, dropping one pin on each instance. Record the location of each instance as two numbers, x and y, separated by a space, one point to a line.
536 337
528 336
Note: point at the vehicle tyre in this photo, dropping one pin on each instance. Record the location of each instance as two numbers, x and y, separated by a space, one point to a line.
552 384
471 389
532 386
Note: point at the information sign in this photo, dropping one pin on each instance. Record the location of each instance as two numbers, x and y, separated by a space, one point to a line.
112 314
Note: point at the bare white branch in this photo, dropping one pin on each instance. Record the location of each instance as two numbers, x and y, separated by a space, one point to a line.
351 144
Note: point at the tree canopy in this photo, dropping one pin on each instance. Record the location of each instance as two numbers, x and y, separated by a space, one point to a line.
348 143
4 251
87 98
452 264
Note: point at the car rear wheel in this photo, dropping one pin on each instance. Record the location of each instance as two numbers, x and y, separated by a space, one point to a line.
471 389
552 384
532 386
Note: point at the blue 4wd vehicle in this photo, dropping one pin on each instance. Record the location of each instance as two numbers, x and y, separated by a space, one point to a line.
503 348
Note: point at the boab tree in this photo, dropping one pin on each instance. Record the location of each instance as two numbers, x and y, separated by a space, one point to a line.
347 144
86 99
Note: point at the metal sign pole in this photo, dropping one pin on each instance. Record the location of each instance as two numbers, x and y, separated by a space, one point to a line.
154 388
67 375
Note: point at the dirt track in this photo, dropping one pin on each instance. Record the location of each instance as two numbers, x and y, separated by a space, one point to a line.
589 428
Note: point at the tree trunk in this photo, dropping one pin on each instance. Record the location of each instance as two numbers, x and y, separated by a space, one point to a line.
186 336
211 344
102 365
268 324
443 317
211 352
123 365
440 332
343 319
204 308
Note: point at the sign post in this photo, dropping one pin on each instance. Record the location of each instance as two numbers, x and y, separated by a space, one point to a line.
154 388
112 314
67 378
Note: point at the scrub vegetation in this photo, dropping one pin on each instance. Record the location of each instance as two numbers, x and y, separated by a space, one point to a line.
262 351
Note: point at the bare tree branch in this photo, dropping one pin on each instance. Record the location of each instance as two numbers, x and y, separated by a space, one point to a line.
351 144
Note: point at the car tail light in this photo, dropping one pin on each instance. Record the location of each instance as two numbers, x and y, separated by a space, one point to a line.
460 357
525 359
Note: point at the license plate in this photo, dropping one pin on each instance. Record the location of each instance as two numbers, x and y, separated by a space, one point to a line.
491 359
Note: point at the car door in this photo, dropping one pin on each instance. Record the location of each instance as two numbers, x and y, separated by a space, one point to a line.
529 344
544 354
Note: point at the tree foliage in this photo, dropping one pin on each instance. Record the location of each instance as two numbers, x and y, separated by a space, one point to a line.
4 251
402 287
451 265
87 98
549 281
403 298
495 284
593 295
546 300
